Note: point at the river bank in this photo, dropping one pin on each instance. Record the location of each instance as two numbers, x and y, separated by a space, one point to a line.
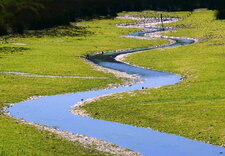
118 132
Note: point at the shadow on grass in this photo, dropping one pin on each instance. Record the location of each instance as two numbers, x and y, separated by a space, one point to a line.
59 31
11 50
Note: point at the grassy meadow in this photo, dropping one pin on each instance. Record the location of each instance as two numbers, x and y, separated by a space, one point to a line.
56 51
193 108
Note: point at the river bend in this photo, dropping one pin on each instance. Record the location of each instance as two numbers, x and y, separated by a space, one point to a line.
55 111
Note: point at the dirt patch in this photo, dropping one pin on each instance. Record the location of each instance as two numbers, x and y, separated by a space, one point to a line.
50 76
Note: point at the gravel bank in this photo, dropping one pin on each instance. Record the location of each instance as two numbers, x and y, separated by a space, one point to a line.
87 142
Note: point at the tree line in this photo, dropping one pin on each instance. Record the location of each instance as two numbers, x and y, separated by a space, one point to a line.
19 15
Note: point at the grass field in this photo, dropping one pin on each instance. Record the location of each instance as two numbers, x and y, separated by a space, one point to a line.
193 108
56 51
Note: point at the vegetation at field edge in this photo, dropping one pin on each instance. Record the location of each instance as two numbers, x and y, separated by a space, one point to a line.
16 16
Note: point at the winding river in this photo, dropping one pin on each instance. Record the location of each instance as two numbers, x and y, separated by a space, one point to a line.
55 111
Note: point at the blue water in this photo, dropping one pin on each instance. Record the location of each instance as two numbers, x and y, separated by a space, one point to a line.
54 111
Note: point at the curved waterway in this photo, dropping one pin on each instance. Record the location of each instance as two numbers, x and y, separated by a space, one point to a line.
55 111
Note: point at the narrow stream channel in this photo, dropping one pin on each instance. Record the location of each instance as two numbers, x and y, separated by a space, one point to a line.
55 111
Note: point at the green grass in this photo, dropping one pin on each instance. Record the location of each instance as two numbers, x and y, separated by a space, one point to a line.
193 108
60 55
23 140
55 51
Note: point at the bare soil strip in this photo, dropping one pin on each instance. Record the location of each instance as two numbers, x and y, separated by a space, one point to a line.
50 76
